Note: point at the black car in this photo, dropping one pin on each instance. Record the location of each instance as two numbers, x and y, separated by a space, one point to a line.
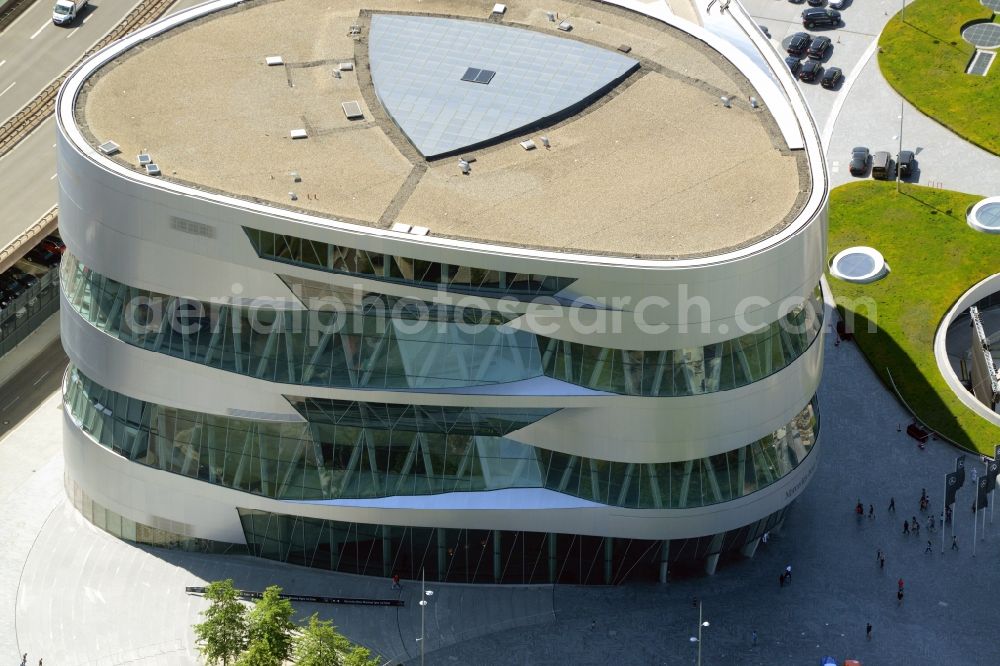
819 16
799 44
44 257
906 163
810 70
839 4
21 276
796 2
859 161
816 3
10 286
832 78
793 64
819 47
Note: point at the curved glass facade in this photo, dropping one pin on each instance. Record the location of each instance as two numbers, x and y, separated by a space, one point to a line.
405 270
378 341
353 450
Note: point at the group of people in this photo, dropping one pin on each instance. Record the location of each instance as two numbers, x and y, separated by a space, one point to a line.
24 660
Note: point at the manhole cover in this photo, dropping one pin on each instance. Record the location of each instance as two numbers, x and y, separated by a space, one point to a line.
983 35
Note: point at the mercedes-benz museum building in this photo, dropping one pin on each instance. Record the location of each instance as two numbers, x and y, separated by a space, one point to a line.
525 293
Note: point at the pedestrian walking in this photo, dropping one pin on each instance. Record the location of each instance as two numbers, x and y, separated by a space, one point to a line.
765 537
878 554
916 527
868 631
892 504
871 512
906 527
781 579
395 582
881 562
24 659
899 597
930 523
899 583
928 548
788 573
753 637
954 543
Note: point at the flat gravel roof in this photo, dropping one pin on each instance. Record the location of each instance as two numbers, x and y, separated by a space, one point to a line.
656 166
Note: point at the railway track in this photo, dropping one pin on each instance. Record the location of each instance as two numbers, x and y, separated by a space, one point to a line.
34 113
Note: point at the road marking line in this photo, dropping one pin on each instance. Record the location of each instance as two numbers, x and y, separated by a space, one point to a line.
40 29
2 63
40 378
53 176
7 88
71 33
845 90
11 403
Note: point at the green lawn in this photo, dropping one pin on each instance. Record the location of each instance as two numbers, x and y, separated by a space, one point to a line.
923 56
934 257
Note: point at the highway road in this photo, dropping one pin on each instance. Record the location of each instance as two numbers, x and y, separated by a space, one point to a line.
32 53
22 393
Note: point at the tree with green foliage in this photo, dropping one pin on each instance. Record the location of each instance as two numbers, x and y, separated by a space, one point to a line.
269 629
320 644
257 654
222 637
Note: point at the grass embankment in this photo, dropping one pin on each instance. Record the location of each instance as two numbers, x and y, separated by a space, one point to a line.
924 57
934 257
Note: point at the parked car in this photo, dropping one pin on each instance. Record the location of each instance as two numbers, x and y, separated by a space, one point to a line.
21 276
816 3
793 64
796 2
40 255
810 70
839 4
53 244
763 29
881 165
859 161
799 44
10 286
819 47
906 163
832 78
815 17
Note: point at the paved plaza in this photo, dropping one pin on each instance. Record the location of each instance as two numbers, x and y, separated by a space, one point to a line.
75 595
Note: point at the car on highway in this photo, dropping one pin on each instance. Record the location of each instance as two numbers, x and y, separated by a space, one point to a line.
798 44
793 64
832 78
816 17
810 70
859 161
819 47
906 163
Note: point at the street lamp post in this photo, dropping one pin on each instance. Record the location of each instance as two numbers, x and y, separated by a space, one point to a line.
425 594
902 104
697 639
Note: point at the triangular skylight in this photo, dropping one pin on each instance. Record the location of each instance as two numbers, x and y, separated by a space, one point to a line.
453 84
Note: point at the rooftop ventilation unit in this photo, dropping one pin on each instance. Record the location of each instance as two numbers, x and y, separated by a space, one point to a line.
274 60
552 16
725 101
476 75
464 166
499 9
528 144
400 227
144 159
624 48
152 169
352 110
565 26
346 66
419 231
109 148
299 134
545 141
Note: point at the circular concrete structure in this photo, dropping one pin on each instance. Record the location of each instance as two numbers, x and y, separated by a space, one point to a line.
314 339
859 264
985 216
